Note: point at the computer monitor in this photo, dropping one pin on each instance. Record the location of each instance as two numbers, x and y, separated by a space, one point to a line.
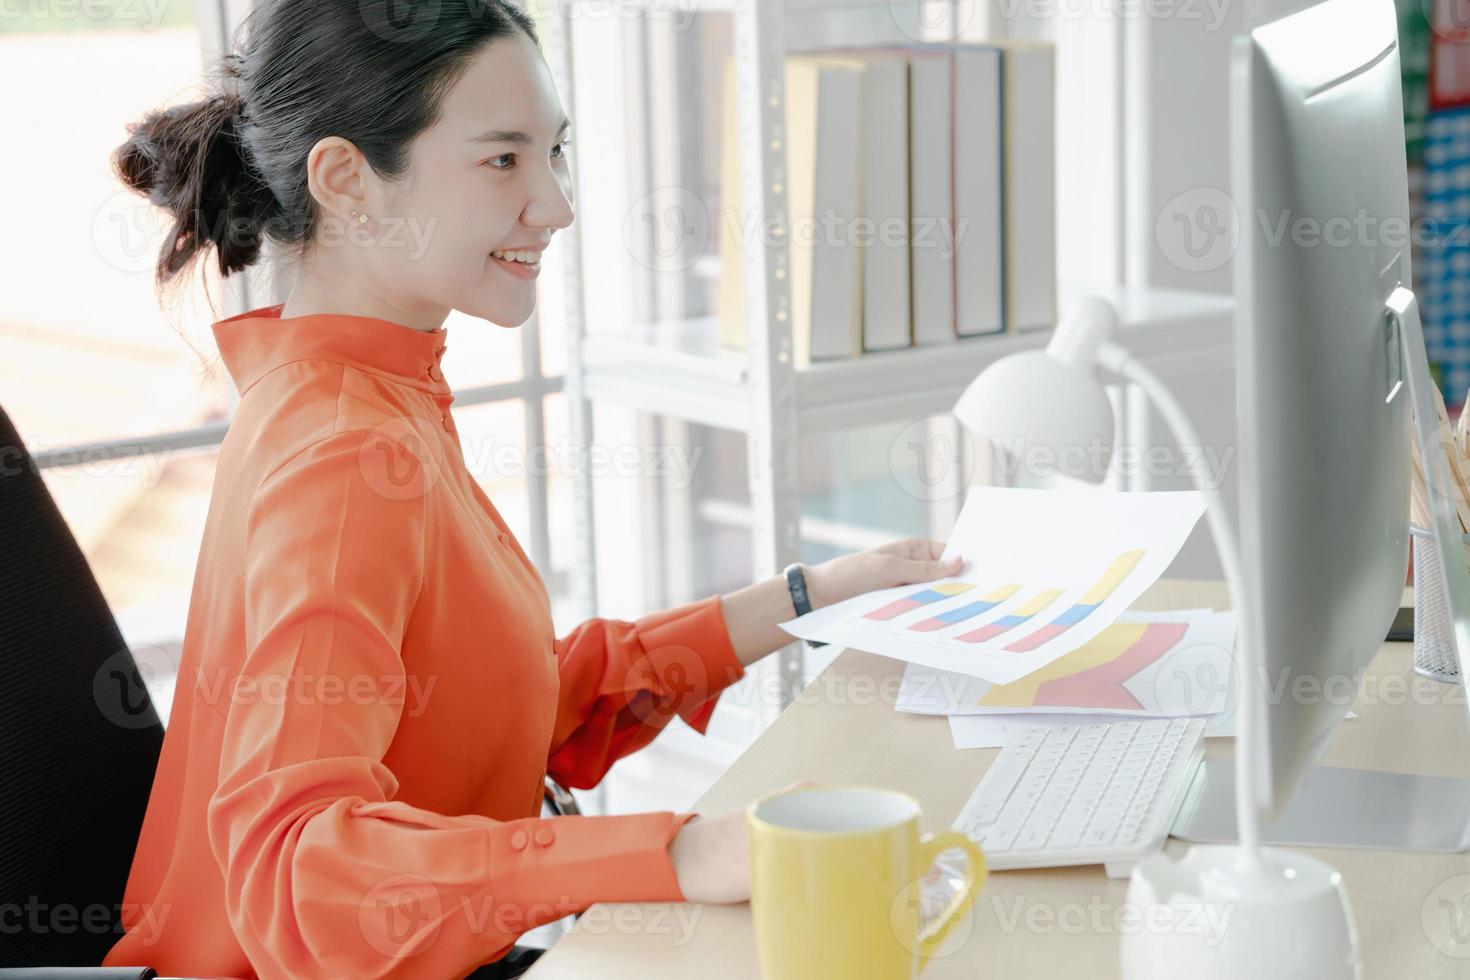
1327 331
1319 174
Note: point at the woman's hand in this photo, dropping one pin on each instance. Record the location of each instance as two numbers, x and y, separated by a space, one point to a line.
897 563
711 856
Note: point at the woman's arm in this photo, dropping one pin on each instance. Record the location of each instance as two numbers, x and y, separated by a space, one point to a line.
752 613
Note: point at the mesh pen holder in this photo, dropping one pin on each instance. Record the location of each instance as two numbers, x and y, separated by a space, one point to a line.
1434 635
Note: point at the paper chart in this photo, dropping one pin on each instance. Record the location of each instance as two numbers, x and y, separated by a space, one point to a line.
1046 571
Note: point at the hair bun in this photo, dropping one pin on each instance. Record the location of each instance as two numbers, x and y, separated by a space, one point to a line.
189 159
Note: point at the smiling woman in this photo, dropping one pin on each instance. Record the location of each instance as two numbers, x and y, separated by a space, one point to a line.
415 167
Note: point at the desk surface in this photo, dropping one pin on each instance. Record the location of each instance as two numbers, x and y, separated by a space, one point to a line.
1057 922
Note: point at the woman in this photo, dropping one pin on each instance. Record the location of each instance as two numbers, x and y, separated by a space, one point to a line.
371 692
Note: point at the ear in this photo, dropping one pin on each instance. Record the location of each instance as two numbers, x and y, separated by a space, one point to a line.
339 178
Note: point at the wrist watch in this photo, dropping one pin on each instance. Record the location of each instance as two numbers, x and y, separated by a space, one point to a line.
796 585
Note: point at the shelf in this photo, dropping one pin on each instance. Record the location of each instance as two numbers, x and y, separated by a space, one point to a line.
678 369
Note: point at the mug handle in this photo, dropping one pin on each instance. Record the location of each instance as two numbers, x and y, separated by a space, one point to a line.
976 871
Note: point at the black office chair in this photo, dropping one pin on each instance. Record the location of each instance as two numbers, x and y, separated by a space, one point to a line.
79 743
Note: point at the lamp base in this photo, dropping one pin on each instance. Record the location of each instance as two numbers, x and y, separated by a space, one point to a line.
1205 917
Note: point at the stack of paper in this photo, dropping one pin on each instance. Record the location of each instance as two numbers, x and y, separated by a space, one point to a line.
1159 665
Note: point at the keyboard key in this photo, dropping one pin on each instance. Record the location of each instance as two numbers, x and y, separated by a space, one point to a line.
1001 838
1032 838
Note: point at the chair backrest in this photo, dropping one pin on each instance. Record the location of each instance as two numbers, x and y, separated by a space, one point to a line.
79 739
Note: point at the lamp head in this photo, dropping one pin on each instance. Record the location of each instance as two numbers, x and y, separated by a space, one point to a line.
1048 409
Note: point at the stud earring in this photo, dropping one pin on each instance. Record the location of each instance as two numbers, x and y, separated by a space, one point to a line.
362 219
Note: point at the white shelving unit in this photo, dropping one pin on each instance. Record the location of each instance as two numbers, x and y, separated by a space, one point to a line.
677 369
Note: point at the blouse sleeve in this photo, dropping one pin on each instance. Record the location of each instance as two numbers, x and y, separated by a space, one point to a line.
326 875
622 682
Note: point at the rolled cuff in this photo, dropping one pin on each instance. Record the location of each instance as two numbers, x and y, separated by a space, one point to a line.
690 658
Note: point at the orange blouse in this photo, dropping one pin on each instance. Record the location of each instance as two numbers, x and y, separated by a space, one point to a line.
371 691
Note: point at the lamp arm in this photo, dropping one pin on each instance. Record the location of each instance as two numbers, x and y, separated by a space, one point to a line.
1117 360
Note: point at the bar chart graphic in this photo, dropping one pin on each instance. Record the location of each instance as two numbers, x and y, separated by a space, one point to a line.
923 597
1094 597
968 611
1029 609
1045 572
1095 674
1158 664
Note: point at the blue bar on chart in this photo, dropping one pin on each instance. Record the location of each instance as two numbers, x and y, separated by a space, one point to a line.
919 599
968 611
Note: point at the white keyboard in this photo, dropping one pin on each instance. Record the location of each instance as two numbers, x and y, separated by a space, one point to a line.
1083 794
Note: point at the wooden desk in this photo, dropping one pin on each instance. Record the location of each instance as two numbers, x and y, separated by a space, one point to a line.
1052 923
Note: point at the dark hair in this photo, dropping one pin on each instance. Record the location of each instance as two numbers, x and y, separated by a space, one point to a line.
232 168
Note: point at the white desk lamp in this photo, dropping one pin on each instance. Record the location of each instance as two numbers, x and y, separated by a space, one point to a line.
1220 912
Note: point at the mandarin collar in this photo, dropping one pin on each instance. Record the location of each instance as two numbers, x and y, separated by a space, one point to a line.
255 343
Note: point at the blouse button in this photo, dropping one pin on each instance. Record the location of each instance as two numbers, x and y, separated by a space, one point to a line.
444 420
544 837
518 841
434 373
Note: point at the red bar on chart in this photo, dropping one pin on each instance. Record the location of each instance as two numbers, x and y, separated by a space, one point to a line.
911 602
1030 608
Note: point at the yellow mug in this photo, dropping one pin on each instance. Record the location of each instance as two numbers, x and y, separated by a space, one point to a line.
835 884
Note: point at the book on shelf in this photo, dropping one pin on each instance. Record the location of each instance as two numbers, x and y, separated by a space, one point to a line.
823 139
882 233
1030 184
978 210
931 173
954 144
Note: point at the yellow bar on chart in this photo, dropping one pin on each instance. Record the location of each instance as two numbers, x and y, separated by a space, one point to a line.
1115 574
1038 602
953 588
1001 594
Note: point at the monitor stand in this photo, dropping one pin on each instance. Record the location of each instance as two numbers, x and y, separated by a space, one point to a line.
1336 808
